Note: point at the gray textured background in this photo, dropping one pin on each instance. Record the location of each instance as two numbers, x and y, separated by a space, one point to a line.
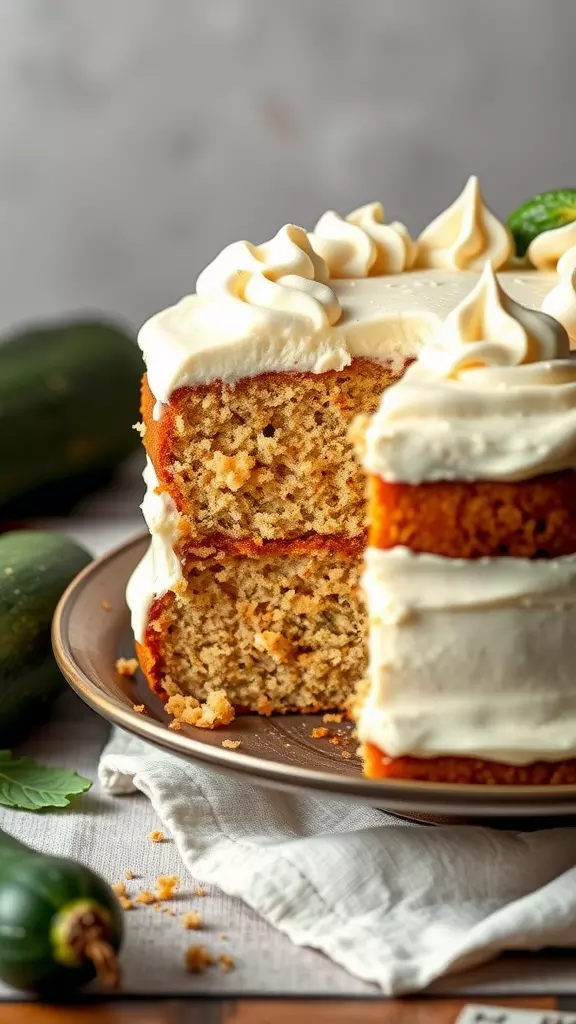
139 136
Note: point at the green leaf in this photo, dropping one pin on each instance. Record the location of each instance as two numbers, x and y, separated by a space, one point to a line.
31 786
543 212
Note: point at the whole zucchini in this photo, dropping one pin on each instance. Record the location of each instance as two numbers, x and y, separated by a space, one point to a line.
69 395
35 569
60 923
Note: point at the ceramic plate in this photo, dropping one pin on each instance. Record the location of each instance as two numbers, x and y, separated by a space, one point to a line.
89 636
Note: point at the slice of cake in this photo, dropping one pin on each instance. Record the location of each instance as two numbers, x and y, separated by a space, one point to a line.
255 501
470 576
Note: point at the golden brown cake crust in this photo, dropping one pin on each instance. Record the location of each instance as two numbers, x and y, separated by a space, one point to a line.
467 770
530 519
269 457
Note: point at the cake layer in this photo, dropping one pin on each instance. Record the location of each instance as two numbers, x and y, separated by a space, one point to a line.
470 658
529 519
467 770
268 457
277 627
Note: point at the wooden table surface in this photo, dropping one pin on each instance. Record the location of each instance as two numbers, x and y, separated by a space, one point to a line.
266 1011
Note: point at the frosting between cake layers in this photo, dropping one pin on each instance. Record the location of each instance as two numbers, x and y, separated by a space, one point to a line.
159 570
492 397
205 337
510 694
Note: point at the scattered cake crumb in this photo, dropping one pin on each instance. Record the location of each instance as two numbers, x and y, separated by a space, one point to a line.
231 744
140 708
146 897
119 888
126 903
140 428
192 920
156 836
332 716
225 963
198 958
175 725
217 710
320 733
223 936
126 666
346 754
129 875
199 891
106 605
166 886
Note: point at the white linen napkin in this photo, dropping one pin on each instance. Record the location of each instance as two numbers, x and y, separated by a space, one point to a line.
394 904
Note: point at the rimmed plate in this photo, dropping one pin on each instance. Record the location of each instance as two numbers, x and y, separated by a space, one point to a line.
91 630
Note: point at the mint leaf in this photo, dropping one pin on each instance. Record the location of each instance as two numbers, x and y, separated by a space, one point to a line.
30 786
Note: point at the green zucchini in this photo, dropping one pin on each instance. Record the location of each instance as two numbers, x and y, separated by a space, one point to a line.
35 569
543 212
69 395
60 923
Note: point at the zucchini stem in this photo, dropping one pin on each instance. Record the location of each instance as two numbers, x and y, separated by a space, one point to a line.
105 963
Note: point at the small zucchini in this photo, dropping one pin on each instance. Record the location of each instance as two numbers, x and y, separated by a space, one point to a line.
60 923
35 569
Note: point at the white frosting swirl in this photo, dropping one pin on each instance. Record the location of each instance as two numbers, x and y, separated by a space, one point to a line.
362 245
545 251
492 397
567 261
284 274
561 303
465 235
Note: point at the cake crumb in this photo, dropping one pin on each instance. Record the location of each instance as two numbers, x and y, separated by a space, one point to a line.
192 920
140 708
231 471
264 706
156 836
175 725
346 754
145 897
231 744
198 958
140 428
126 903
129 875
223 936
166 886
320 733
217 710
170 912
157 906
199 891
119 888
332 716
126 666
106 605
225 963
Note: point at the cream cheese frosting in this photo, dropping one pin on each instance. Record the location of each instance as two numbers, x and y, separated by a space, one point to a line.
465 235
509 694
492 397
388 318
548 248
362 244
561 302
160 570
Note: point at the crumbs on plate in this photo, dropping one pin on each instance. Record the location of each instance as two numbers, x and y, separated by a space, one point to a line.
126 666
